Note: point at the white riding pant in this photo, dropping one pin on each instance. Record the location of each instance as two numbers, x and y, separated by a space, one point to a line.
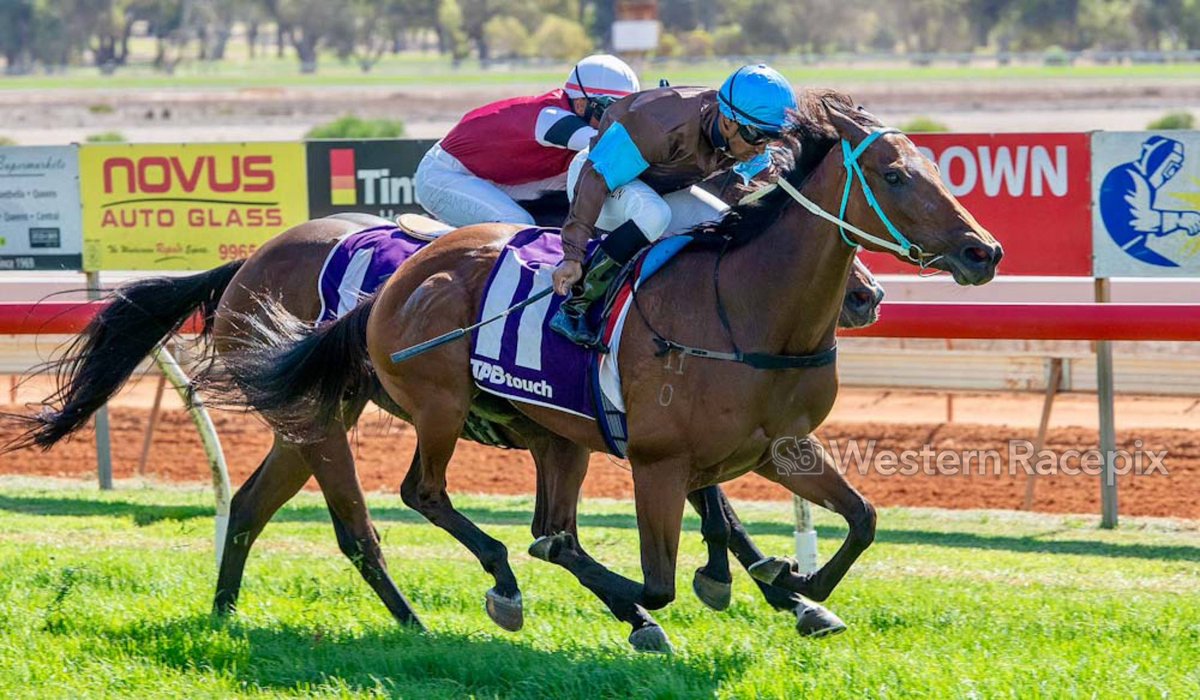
453 194
656 215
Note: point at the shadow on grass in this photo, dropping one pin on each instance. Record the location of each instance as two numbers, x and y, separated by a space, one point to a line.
401 662
147 514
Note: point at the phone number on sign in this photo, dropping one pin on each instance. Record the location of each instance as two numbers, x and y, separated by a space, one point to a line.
236 251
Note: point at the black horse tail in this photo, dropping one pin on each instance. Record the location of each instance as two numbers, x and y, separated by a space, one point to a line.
96 364
300 376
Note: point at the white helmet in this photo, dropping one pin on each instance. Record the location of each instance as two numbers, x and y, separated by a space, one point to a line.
599 76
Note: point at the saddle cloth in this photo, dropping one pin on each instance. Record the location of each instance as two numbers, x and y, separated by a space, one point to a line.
359 264
519 358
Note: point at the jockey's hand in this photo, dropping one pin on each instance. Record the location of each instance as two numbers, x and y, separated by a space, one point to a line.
566 275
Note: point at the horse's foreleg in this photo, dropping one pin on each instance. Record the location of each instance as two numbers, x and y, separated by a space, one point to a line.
829 488
282 472
713 582
738 541
333 465
659 494
424 490
812 620
561 466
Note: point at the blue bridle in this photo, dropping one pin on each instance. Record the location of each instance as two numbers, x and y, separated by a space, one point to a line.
850 155
854 170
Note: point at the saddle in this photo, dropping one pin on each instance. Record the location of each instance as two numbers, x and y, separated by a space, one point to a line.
519 358
422 227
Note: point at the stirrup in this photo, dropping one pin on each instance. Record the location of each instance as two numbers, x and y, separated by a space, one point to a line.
573 332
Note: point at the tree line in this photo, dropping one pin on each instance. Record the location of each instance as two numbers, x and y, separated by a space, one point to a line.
50 34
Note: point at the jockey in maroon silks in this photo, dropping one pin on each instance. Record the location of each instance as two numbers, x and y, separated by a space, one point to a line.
520 148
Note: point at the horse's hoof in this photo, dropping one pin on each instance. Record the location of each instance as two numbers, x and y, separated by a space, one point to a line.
546 546
651 639
713 593
816 621
504 611
771 568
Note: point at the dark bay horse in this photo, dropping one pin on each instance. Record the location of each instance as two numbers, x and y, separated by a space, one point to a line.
143 313
784 269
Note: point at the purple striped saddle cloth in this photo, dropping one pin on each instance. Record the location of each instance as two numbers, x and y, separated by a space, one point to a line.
359 264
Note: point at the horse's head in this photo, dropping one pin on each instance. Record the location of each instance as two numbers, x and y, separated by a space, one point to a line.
895 197
860 307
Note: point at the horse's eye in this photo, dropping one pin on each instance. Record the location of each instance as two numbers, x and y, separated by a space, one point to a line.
892 177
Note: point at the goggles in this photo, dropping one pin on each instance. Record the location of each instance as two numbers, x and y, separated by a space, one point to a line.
753 135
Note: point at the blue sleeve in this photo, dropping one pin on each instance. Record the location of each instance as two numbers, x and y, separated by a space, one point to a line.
616 157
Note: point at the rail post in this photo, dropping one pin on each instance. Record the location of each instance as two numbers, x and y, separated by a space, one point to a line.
208 437
1052 384
806 536
104 470
1108 427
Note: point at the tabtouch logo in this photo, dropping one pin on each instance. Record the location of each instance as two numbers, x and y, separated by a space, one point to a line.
494 374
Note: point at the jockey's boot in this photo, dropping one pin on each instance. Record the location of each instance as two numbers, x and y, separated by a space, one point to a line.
571 319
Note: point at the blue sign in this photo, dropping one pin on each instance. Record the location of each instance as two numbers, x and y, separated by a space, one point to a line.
1147 204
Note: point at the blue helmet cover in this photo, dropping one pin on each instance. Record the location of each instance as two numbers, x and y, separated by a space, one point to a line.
758 96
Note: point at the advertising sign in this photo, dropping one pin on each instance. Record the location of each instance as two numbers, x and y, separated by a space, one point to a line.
39 208
1146 209
1032 191
370 176
187 206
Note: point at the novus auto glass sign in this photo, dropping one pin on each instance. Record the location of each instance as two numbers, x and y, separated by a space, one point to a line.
187 206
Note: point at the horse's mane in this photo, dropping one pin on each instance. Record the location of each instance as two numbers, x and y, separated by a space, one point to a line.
807 140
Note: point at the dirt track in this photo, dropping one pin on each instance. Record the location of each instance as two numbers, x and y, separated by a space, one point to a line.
286 113
384 447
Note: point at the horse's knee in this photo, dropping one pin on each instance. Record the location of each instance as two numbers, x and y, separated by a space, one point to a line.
657 595
862 525
410 493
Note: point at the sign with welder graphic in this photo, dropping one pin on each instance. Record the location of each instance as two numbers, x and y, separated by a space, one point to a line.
366 176
1032 191
1146 206
39 208
187 206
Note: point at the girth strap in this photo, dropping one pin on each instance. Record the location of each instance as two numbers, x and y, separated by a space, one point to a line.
757 360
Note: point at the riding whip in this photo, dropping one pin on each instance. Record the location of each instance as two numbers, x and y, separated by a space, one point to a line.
420 348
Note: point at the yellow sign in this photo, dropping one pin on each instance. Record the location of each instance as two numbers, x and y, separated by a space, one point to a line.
187 206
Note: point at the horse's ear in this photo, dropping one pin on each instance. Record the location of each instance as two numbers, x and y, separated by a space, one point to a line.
846 126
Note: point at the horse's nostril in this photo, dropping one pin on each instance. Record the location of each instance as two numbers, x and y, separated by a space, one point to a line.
860 297
977 254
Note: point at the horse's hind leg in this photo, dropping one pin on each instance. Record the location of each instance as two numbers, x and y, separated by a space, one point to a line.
713 582
424 490
830 489
333 465
561 466
282 472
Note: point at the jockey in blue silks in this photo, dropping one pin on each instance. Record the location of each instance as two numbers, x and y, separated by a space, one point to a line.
636 181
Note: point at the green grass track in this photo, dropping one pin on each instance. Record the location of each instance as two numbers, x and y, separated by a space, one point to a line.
107 595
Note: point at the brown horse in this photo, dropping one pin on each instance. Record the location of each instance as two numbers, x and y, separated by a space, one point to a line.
141 314
784 269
